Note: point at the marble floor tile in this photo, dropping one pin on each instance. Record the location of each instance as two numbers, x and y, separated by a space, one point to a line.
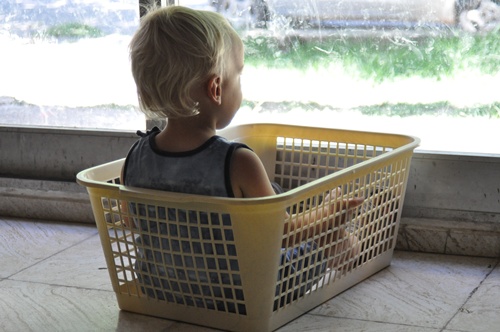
28 306
53 277
314 323
82 265
182 327
482 311
24 243
417 289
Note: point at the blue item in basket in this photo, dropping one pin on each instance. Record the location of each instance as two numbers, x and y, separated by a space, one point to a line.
300 269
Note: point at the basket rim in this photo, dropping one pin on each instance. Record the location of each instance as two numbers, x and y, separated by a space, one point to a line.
85 179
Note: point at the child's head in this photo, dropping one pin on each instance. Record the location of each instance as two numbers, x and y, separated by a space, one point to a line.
175 50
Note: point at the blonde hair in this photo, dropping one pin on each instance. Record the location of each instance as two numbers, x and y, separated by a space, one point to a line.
174 50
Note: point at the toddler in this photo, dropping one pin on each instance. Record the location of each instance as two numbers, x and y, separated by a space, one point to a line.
187 66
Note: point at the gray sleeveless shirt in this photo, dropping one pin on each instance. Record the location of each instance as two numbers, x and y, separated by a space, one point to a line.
202 171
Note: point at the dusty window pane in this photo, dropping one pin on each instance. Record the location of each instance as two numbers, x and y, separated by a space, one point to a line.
65 63
429 68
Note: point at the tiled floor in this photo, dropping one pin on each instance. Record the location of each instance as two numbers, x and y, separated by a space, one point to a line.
53 277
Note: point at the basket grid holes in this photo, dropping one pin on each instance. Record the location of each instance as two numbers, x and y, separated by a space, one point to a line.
298 161
375 221
184 257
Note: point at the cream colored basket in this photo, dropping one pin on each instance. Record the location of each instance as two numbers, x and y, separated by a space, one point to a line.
220 262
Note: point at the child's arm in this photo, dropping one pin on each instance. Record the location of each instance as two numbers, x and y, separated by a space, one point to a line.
313 221
249 179
248 175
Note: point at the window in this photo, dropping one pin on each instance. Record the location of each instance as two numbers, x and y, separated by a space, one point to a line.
65 64
429 68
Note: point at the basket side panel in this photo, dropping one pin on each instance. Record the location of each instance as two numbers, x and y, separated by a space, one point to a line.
338 249
206 264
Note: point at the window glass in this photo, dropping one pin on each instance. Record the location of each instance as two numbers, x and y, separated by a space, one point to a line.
428 68
64 63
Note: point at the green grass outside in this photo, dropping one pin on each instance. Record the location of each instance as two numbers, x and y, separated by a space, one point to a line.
400 109
385 59
441 108
381 59
73 30
376 59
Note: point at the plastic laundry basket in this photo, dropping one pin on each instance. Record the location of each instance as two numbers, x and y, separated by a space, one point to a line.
220 262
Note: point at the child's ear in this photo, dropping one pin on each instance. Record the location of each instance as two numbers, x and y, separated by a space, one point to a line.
215 90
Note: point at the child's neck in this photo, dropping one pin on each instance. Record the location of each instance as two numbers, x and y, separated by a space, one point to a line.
184 134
